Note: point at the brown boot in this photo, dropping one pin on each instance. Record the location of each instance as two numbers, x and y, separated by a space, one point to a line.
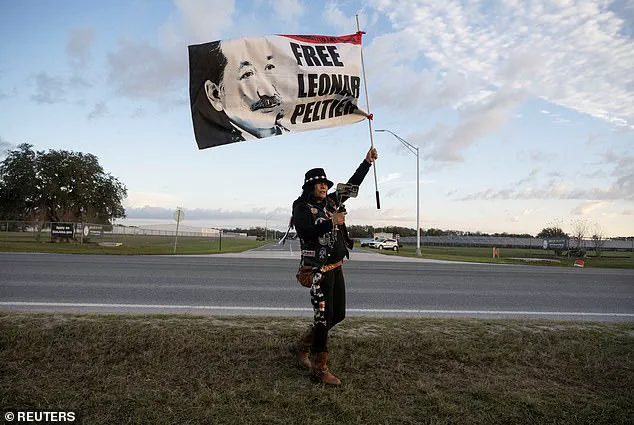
320 370
303 350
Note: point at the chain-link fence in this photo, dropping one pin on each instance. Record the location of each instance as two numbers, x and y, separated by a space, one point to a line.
103 234
515 242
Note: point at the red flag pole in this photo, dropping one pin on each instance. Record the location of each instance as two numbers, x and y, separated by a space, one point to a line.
367 103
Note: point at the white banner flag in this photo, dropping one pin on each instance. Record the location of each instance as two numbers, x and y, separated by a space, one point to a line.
249 88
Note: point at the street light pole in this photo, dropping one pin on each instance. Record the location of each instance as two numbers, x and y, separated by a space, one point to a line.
413 149
266 227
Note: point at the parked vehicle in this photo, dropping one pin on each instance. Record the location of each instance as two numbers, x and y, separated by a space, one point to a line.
366 242
387 244
375 241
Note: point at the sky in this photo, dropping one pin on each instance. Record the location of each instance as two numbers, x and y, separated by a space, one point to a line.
523 111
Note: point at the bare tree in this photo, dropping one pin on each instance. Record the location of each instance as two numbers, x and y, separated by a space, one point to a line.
598 239
580 228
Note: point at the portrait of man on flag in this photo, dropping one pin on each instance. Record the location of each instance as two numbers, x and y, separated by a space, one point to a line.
251 88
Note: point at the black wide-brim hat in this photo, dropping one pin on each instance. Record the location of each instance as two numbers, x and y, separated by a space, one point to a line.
316 175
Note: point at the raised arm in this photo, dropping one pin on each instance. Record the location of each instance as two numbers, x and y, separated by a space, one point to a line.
359 175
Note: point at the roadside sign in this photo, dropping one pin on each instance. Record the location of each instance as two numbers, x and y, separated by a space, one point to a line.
92 230
560 244
62 230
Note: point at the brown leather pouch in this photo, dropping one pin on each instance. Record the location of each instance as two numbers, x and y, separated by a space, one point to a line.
305 276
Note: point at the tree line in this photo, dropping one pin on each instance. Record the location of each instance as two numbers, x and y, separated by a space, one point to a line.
357 231
367 231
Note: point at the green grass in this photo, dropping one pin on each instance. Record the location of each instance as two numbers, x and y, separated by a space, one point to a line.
131 244
609 259
26 242
224 370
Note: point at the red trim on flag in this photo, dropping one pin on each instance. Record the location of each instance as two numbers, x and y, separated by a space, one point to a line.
327 39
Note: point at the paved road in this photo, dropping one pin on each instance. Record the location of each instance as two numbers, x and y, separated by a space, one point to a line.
262 282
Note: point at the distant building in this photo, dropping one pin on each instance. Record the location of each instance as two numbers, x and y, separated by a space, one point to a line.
211 232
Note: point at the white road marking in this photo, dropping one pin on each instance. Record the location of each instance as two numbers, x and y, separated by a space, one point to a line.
282 309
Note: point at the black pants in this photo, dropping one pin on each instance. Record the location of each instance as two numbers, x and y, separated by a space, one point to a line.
328 296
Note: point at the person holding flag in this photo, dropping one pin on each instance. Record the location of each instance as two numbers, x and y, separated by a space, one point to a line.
319 219
257 87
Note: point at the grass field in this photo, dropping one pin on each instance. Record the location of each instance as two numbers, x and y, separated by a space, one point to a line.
131 244
224 370
535 256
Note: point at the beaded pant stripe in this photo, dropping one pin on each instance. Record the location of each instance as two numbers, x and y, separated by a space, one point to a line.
317 300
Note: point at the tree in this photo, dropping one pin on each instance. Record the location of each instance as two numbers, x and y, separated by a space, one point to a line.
356 231
58 186
396 230
434 232
17 192
580 228
598 239
551 232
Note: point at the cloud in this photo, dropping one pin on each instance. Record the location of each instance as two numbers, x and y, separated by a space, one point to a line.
578 56
139 70
518 217
395 54
586 208
621 189
530 178
143 199
560 120
594 174
624 9
483 113
6 95
142 70
256 214
79 45
138 113
391 177
623 172
200 21
538 156
333 16
477 120
50 89
100 110
5 145
288 10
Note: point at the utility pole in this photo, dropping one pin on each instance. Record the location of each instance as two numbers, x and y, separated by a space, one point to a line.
413 149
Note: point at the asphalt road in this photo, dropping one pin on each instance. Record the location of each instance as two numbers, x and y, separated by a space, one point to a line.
262 282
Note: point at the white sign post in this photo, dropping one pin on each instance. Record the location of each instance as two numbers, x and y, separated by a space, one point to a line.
179 215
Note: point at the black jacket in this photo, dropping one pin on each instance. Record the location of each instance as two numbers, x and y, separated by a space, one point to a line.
320 243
